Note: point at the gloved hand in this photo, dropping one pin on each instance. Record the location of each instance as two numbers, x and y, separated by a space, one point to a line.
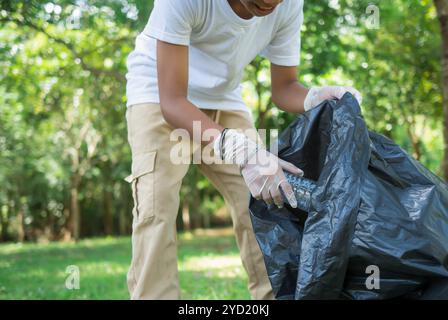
262 171
316 95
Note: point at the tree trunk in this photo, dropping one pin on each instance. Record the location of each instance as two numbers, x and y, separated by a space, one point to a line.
4 224
186 215
49 229
74 206
20 228
125 209
442 13
122 221
107 207
415 141
66 232
194 201
206 220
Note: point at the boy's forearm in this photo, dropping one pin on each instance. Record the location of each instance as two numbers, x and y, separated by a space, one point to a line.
178 111
291 97
181 113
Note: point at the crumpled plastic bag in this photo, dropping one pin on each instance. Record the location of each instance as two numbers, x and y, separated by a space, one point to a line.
374 212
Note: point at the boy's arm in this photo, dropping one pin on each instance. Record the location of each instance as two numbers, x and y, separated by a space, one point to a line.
172 69
178 111
289 95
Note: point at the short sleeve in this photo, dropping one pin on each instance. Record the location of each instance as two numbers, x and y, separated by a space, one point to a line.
171 21
284 48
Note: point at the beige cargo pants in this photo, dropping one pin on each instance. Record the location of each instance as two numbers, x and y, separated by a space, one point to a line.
156 183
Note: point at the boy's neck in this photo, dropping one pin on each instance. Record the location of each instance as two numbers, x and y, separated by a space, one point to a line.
240 10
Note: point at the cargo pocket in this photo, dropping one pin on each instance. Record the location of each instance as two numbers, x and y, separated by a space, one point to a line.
142 182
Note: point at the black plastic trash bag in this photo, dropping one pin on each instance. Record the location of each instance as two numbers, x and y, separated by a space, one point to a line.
372 207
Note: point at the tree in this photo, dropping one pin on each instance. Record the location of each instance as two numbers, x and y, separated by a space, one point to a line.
442 14
63 147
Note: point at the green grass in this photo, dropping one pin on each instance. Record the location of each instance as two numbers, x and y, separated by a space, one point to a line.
209 268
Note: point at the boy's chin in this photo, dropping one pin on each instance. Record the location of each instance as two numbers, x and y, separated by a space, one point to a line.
261 13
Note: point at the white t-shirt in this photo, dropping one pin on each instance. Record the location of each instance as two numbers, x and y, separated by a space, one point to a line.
221 44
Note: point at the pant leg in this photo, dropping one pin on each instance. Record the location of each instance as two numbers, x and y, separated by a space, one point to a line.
229 182
156 183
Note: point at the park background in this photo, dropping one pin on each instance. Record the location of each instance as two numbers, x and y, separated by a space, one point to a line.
64 153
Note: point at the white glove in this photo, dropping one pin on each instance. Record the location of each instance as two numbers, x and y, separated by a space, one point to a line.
317 95
261 170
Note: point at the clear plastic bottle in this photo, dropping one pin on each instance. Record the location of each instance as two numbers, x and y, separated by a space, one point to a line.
303 190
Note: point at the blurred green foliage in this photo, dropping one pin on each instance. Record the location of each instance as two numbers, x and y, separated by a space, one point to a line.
63 147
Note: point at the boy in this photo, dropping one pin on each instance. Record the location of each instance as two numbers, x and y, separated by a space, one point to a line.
186 68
